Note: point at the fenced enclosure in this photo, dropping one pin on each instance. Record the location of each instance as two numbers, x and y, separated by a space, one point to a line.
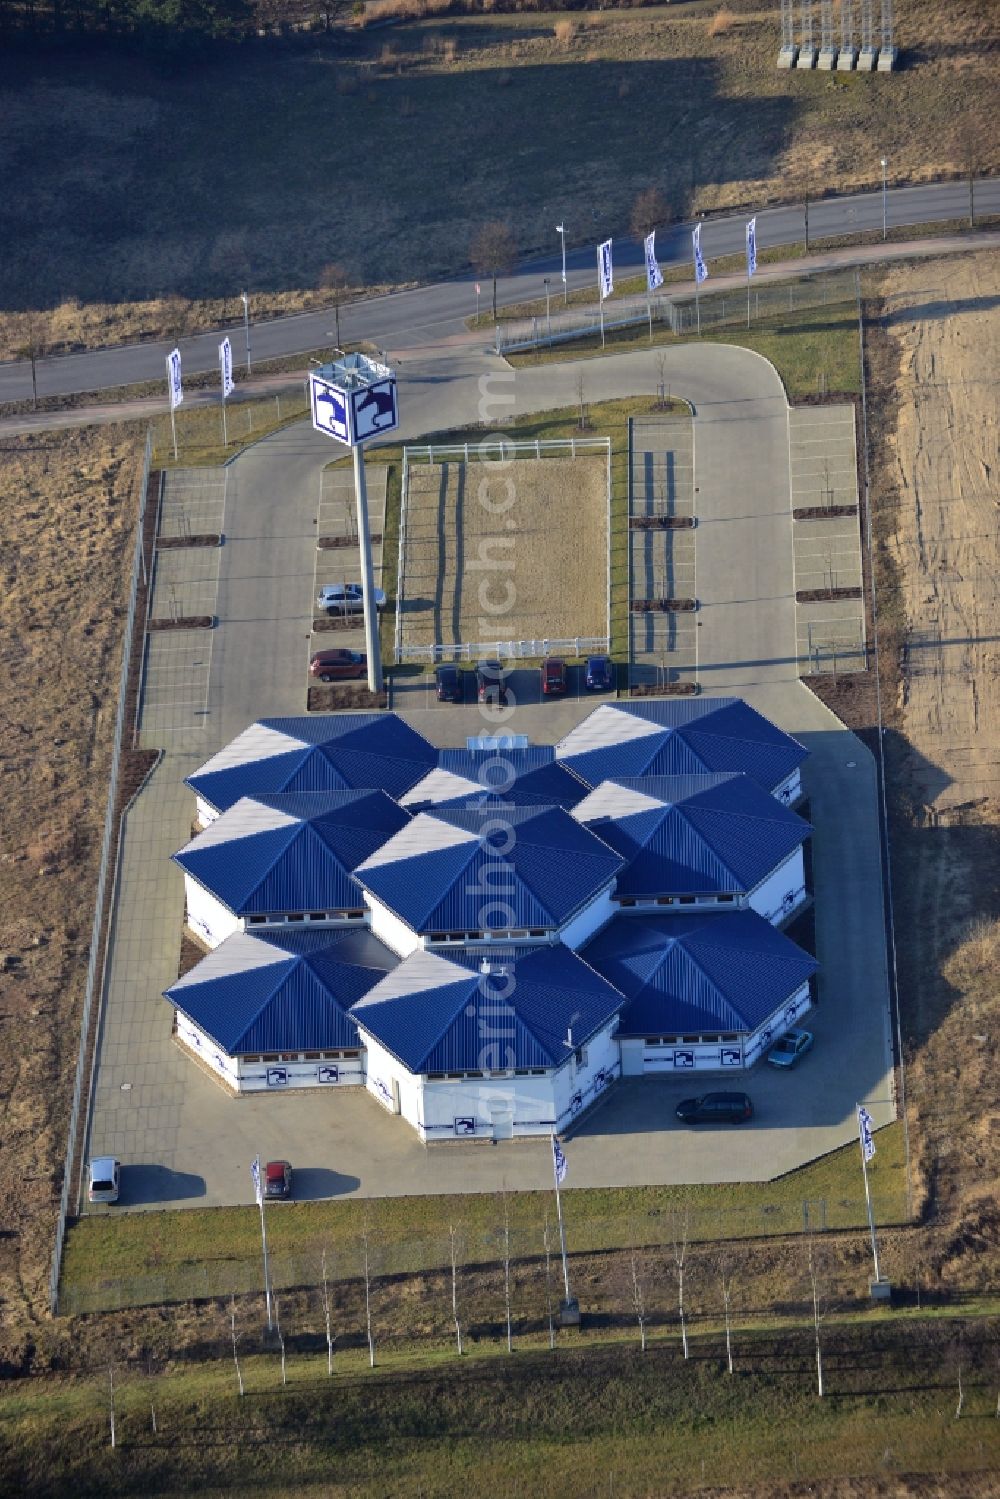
507 539
681 313
302 1268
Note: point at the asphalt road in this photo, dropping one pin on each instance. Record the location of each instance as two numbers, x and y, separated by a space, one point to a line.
433 314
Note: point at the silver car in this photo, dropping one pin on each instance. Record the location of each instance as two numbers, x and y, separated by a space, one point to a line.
103 1179
792 1045
346 598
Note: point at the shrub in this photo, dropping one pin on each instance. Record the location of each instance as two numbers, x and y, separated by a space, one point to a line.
721 23
564 31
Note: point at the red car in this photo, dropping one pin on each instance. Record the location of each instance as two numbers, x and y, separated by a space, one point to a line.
553 677
277 1179
337 665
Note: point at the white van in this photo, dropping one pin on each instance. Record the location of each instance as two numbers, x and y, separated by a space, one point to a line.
103 1179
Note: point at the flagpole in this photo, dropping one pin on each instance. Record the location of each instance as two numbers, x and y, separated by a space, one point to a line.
259 1189
562 1231
868 1197
748 293
170 398
600 299
225 434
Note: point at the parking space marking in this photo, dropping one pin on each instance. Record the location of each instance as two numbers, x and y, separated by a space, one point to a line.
662 563
175 685
194 502
185 582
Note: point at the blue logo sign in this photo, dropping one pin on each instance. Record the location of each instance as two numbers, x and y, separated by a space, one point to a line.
374 410
329 409
465 1125
327 1074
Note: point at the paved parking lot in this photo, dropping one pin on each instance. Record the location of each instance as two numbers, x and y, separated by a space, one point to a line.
177 672
662 563
830 634
185 582
194 502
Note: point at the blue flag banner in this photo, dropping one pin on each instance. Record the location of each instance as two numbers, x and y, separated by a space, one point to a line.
752 246
700 268
255 1173
174 388
654 277
558 1162
605 272
865 1127
226 366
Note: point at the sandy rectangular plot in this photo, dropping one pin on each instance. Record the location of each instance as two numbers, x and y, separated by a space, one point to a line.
511 552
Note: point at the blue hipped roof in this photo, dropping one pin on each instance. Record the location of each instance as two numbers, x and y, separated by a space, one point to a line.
529 776
681 736
438 1014
329 752
699 973
282 991
709 834
529 867
304 862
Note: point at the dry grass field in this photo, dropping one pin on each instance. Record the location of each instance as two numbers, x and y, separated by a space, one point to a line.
940 481
68 506
176 195
518 553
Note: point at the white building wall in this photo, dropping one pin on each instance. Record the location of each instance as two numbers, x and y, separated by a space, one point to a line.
393 932
784 890
207 1050
641 1056
762 1038
204 812
388 1081
207 917
471 1107
269 1077
790 789
590 920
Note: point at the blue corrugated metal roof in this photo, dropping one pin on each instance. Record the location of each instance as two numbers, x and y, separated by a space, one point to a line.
372 751
493 1021
298 1003
713 834
700 973
535 875
306 864
530 776
704 734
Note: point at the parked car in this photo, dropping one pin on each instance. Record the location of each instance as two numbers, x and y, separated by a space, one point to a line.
449 684
554 680
346 598
103 1179
490 684
792 1045
715 1108
336 666
277 1179
600 674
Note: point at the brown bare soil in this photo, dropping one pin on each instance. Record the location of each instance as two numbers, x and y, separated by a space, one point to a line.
517 554
68 505
177 543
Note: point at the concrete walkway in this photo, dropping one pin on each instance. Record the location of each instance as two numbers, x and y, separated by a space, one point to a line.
183 1140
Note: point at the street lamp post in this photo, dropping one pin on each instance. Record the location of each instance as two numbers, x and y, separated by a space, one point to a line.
246 324
884 202
561 231
548 311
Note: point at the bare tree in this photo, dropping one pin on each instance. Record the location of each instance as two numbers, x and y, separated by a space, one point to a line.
505 1244
679 1239
584 422
281 1341
546 1240
327 1319
662 395
29 348
111 1400
638 1301
818 1314
366 1267
649 211
334 278
454 1288
726 1276
236 1357
493 250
